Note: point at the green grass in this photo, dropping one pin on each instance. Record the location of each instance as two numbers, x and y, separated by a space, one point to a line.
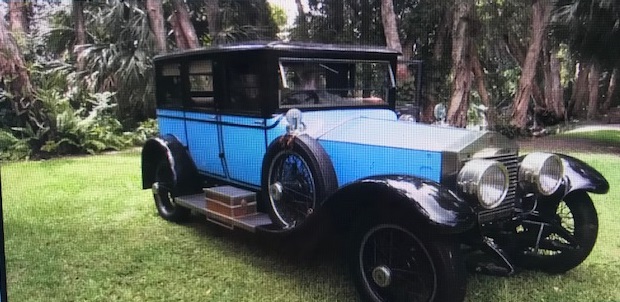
81 229
610 137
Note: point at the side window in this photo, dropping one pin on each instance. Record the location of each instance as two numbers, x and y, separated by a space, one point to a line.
244 88
169 86
201 84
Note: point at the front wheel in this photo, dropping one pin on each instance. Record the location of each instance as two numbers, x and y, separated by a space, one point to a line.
562 236
391 262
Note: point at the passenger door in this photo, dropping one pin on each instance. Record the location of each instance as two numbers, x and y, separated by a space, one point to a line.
202 120
243 129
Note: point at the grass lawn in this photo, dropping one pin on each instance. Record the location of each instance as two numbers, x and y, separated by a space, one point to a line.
81 229
610 137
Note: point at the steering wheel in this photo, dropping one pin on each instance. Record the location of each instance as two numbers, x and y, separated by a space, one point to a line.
302 97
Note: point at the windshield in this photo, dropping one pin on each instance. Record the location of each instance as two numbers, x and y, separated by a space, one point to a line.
329 83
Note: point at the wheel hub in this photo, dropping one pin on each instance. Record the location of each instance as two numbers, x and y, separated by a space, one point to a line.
155 188
382 276
275 191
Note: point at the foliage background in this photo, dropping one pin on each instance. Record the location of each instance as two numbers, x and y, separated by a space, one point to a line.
75 52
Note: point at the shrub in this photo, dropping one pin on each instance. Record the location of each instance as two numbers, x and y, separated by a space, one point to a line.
144 131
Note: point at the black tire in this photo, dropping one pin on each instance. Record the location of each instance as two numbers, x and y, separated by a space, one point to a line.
297 177
164 193
391 261
569 240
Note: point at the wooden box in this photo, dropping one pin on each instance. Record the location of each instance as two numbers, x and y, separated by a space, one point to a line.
243 209
230 195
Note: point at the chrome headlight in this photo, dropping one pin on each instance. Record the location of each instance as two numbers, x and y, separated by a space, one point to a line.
541 171
487 180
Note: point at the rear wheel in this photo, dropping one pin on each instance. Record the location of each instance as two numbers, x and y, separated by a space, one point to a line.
163 193
391 262
562 236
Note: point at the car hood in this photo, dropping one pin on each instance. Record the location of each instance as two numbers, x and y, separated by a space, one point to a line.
408 135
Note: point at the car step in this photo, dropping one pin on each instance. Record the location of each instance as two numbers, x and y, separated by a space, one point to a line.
227 206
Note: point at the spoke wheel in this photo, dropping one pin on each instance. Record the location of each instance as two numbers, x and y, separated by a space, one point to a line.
565 236
390 262
292 190
297 177
163 194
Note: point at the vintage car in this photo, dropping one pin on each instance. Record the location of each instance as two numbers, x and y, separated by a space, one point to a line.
302 140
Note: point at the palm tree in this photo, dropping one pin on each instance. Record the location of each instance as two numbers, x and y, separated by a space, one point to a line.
119 58
590 28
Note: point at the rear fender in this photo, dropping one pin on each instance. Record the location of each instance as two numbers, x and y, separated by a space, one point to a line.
424 202
185 175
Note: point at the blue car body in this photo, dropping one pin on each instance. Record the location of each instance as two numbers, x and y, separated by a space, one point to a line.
385 146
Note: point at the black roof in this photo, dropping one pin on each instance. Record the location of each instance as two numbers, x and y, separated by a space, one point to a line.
288 47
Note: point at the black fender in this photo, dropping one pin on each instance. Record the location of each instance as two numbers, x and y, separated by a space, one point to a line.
168 148
580 176
426 203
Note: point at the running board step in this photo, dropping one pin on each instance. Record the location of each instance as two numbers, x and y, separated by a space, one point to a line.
243 216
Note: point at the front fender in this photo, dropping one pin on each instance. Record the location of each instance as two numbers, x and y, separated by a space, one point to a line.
168 148
425 202
580 176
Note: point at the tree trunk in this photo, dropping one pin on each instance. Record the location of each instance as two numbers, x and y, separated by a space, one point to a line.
14 73
179 38
17 17
554 94
392 39
611 90
593 89
13 68
339 13
443 36
481 86
580 91
541 12
78 18
301 20
80 32
461 60
155 12
213 17
183 27
518 53
366 22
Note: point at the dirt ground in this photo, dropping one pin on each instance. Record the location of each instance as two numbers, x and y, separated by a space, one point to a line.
564 145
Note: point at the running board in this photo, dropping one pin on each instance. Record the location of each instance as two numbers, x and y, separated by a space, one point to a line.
198 203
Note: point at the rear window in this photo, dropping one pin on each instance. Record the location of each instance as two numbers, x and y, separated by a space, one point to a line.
169 85
201 84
